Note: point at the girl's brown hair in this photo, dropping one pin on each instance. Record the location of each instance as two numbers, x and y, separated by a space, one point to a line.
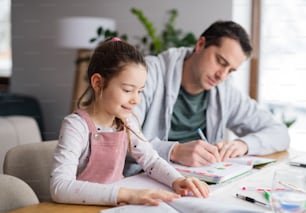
109 59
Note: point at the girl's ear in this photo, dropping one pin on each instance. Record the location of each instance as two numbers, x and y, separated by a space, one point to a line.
96 82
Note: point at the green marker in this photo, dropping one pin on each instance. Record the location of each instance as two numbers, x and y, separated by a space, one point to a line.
267 195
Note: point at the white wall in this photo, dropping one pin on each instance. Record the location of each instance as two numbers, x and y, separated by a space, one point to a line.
46 72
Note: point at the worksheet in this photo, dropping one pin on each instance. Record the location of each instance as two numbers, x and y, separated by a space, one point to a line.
180 205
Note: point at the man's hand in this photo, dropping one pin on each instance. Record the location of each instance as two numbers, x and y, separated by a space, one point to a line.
195 153
231 149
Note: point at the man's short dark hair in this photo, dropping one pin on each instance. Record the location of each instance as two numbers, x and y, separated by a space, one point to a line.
229 29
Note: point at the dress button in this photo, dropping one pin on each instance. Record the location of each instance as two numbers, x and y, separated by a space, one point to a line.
97 136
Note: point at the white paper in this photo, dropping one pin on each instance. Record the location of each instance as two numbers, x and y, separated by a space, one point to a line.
180 205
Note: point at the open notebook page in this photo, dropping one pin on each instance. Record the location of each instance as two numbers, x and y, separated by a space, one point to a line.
183 204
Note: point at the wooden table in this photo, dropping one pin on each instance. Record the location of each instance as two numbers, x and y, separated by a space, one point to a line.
279 156
50 207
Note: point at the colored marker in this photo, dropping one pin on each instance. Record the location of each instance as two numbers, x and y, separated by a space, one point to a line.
267 195
259 189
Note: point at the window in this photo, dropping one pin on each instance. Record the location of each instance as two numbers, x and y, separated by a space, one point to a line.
282 68
5 42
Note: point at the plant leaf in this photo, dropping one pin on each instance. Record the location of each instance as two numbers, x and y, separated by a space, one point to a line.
99 31
149 27
124 37
92 40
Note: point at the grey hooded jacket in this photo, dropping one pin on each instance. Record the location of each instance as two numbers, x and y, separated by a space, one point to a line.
227 109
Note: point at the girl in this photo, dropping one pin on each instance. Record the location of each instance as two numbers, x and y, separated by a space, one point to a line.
94 140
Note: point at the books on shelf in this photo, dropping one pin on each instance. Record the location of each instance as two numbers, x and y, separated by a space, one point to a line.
223 171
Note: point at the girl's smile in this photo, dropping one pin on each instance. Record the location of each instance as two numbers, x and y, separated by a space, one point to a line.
121 94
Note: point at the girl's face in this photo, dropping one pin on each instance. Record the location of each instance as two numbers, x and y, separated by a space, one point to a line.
123 92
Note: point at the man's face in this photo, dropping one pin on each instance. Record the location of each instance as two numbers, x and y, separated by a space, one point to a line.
212 65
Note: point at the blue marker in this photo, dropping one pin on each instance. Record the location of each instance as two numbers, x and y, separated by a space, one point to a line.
202 136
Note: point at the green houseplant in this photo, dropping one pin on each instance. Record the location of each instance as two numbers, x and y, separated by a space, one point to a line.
287 121
169 37
154 43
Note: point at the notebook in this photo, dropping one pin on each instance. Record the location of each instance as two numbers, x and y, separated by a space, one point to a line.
252 160
180 205
224 171
183 205
215 172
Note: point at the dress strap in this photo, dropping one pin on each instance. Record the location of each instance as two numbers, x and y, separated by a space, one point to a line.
89 122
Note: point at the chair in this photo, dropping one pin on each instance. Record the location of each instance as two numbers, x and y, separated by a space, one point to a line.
15 193
20 104
32 163
16 130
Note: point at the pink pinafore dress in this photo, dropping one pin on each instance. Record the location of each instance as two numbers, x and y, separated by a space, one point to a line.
106 156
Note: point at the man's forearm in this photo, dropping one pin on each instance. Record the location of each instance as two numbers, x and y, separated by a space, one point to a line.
164 148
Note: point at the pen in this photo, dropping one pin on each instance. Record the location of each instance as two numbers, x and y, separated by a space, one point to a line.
202 136
252 200
298 164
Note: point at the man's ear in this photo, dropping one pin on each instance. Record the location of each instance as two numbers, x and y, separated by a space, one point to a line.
96 82
200 44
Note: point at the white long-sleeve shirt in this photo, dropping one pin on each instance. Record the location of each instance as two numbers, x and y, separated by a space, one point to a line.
70 157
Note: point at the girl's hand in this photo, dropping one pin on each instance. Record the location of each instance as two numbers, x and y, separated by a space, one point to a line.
185 186
145 196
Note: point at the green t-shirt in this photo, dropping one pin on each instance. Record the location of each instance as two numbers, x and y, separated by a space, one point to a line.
189 113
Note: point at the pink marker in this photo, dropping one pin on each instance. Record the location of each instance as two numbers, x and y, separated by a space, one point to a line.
259 189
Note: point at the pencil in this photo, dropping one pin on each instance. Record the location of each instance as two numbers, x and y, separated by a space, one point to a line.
202 136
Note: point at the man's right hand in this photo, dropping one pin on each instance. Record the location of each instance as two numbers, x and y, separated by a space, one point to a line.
195 153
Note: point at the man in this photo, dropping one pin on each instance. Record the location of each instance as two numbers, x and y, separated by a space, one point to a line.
189 89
